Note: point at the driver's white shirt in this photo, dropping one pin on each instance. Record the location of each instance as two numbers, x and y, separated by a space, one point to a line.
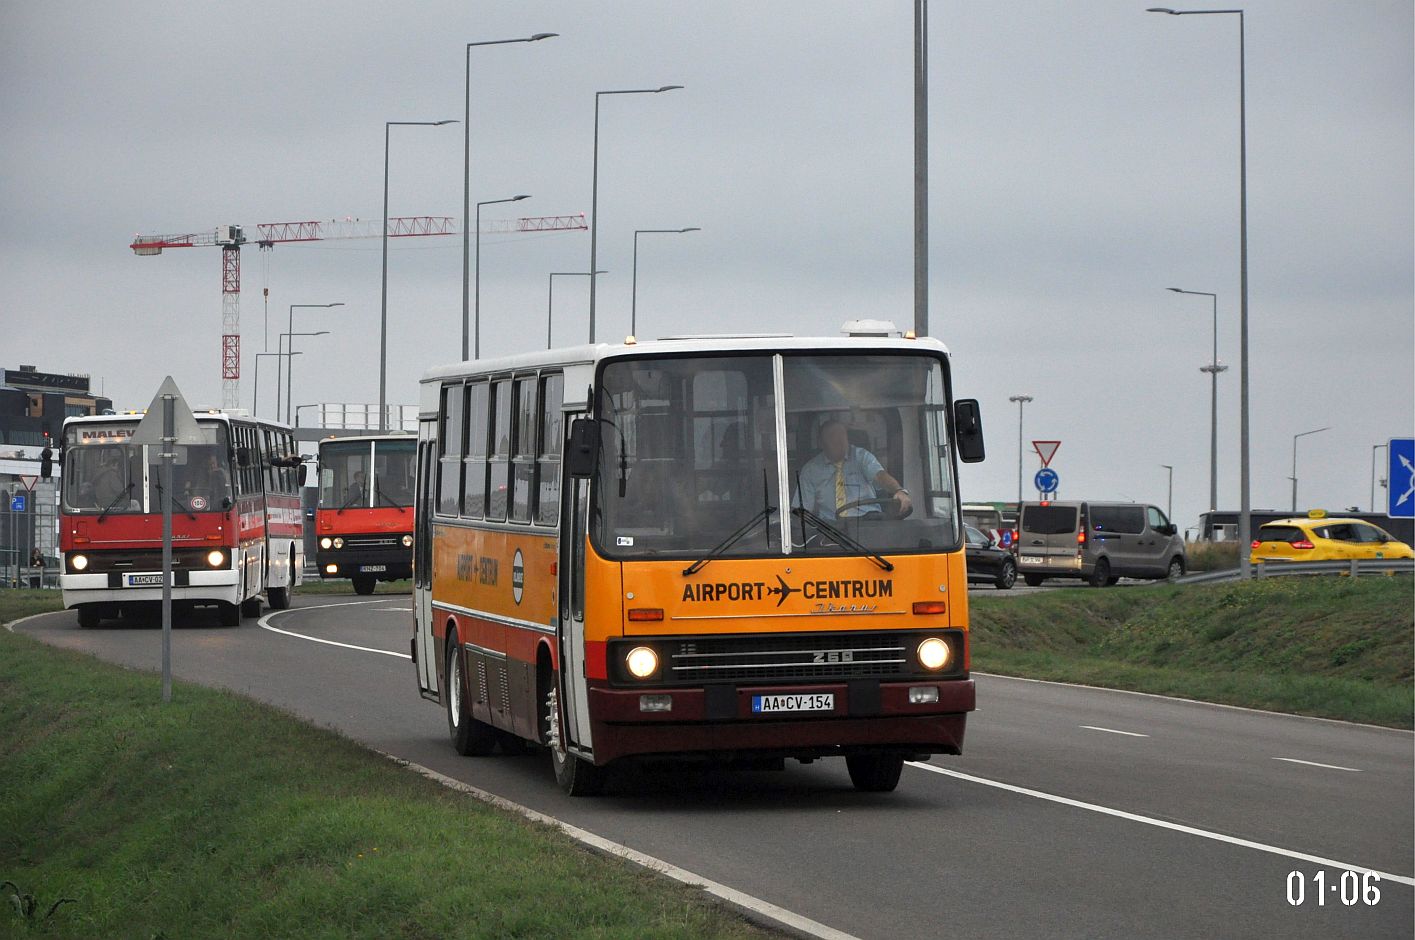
817 482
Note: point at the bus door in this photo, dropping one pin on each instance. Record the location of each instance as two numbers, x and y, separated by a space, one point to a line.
425 645
570 631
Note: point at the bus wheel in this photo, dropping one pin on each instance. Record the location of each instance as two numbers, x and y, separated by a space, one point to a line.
470 737
230 615
364 584
875 773
576 776
89 617
250 607
279 598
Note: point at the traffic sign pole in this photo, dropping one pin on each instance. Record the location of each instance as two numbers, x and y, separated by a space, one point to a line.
169 453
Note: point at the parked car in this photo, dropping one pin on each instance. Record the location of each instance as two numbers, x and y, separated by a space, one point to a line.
1320 538
1097 542
987 561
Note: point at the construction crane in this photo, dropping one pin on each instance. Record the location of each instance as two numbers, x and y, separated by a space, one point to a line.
230 238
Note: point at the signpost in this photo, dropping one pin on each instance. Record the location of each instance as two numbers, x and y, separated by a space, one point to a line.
168 424
1046 481
1400 478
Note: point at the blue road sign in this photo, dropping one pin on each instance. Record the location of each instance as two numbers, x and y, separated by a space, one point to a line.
17 503
1400 478
1046 480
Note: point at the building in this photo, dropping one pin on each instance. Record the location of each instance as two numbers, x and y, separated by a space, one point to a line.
33 406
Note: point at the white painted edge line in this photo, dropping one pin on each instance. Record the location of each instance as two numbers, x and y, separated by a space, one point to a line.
762 910
1195 701
264 624
1312 763
1128 734
1163 824
15 623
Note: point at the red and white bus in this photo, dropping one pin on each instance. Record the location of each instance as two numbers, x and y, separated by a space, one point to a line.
364 522
237 528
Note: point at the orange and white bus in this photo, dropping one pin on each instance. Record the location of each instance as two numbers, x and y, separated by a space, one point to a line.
741 549
237 527
364 521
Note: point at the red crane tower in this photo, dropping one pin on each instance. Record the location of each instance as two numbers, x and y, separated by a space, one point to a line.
230 238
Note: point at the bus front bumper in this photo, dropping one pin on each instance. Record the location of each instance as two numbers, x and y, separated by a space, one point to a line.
868 716
386 564
115 587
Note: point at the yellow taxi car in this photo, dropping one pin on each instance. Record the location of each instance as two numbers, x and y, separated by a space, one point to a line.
1318 537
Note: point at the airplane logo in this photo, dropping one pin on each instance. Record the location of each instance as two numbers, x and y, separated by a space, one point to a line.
783 592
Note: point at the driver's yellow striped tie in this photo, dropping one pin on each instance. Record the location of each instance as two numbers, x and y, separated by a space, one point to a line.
840 484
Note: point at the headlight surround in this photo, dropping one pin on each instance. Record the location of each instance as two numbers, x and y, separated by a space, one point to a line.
216 558
934 653
407 541
641 662
326 542
78 562
338 543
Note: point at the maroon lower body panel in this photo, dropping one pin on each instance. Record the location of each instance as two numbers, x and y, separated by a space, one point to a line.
868 716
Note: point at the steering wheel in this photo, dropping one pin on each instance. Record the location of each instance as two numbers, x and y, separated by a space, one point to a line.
889 504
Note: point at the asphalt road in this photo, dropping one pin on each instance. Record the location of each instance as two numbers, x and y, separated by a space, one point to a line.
1084 852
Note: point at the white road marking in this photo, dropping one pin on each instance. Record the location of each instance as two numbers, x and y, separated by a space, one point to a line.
409 609
1312 763
264 624
1163 824
754 907
1128 734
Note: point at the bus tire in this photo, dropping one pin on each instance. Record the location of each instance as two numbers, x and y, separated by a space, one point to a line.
470 738
364 584
576 776
250 607
89 617
230 614
1100 574
1033 580
875 773
278 598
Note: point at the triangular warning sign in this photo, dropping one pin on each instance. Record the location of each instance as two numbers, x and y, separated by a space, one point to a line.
184 423
1046 450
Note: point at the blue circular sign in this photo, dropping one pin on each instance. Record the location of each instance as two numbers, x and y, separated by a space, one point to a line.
1046 480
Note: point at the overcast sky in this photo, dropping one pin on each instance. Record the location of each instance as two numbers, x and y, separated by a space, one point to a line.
1083 158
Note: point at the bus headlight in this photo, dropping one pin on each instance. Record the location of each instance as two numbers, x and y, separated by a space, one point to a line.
934 653
216 558
407 541
642 662
326 542
78 562
338 543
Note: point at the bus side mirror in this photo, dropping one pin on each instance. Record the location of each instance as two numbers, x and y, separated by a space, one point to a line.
582 450
304 474
968 425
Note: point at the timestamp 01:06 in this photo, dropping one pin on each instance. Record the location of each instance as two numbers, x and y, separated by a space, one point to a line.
1349 888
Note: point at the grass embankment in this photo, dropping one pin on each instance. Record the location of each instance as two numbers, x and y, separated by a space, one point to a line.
217 816
1211 556
1327 646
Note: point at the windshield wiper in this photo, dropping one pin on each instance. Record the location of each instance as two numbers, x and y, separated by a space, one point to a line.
716 551
379 490
807 516
178 503
122 494
347 503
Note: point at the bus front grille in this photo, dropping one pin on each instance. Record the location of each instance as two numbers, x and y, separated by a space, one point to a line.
789 657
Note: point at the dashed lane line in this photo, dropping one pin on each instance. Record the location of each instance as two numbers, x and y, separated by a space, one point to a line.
1128 734
1312 763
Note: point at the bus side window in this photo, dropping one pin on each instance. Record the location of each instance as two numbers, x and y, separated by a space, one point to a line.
552 394
500 447
524 449
449 464
474 492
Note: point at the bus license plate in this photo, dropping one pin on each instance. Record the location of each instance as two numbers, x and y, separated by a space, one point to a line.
815 702
143 580
372 569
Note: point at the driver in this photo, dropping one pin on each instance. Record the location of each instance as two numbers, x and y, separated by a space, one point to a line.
841 474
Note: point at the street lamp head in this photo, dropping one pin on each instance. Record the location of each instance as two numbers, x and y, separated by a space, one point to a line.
692 229
440 123
1162 10
1177 290
519 198
667 88
539 36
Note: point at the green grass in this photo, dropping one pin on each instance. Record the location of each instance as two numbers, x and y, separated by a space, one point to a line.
1333 647
23 602
215 816
1211 556
315 585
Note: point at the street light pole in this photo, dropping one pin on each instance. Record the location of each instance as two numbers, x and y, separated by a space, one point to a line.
594 187
289 327
255 391
634 287
476 309
467 165
1169 503
1213 369
1021 401
383 299
921 167
290 377
1294 461
1245 509
550 296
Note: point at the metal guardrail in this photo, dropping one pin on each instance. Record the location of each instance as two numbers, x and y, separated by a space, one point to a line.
1354 567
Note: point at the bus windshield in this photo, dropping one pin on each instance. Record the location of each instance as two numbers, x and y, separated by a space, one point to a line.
106 474
704 454
367 474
